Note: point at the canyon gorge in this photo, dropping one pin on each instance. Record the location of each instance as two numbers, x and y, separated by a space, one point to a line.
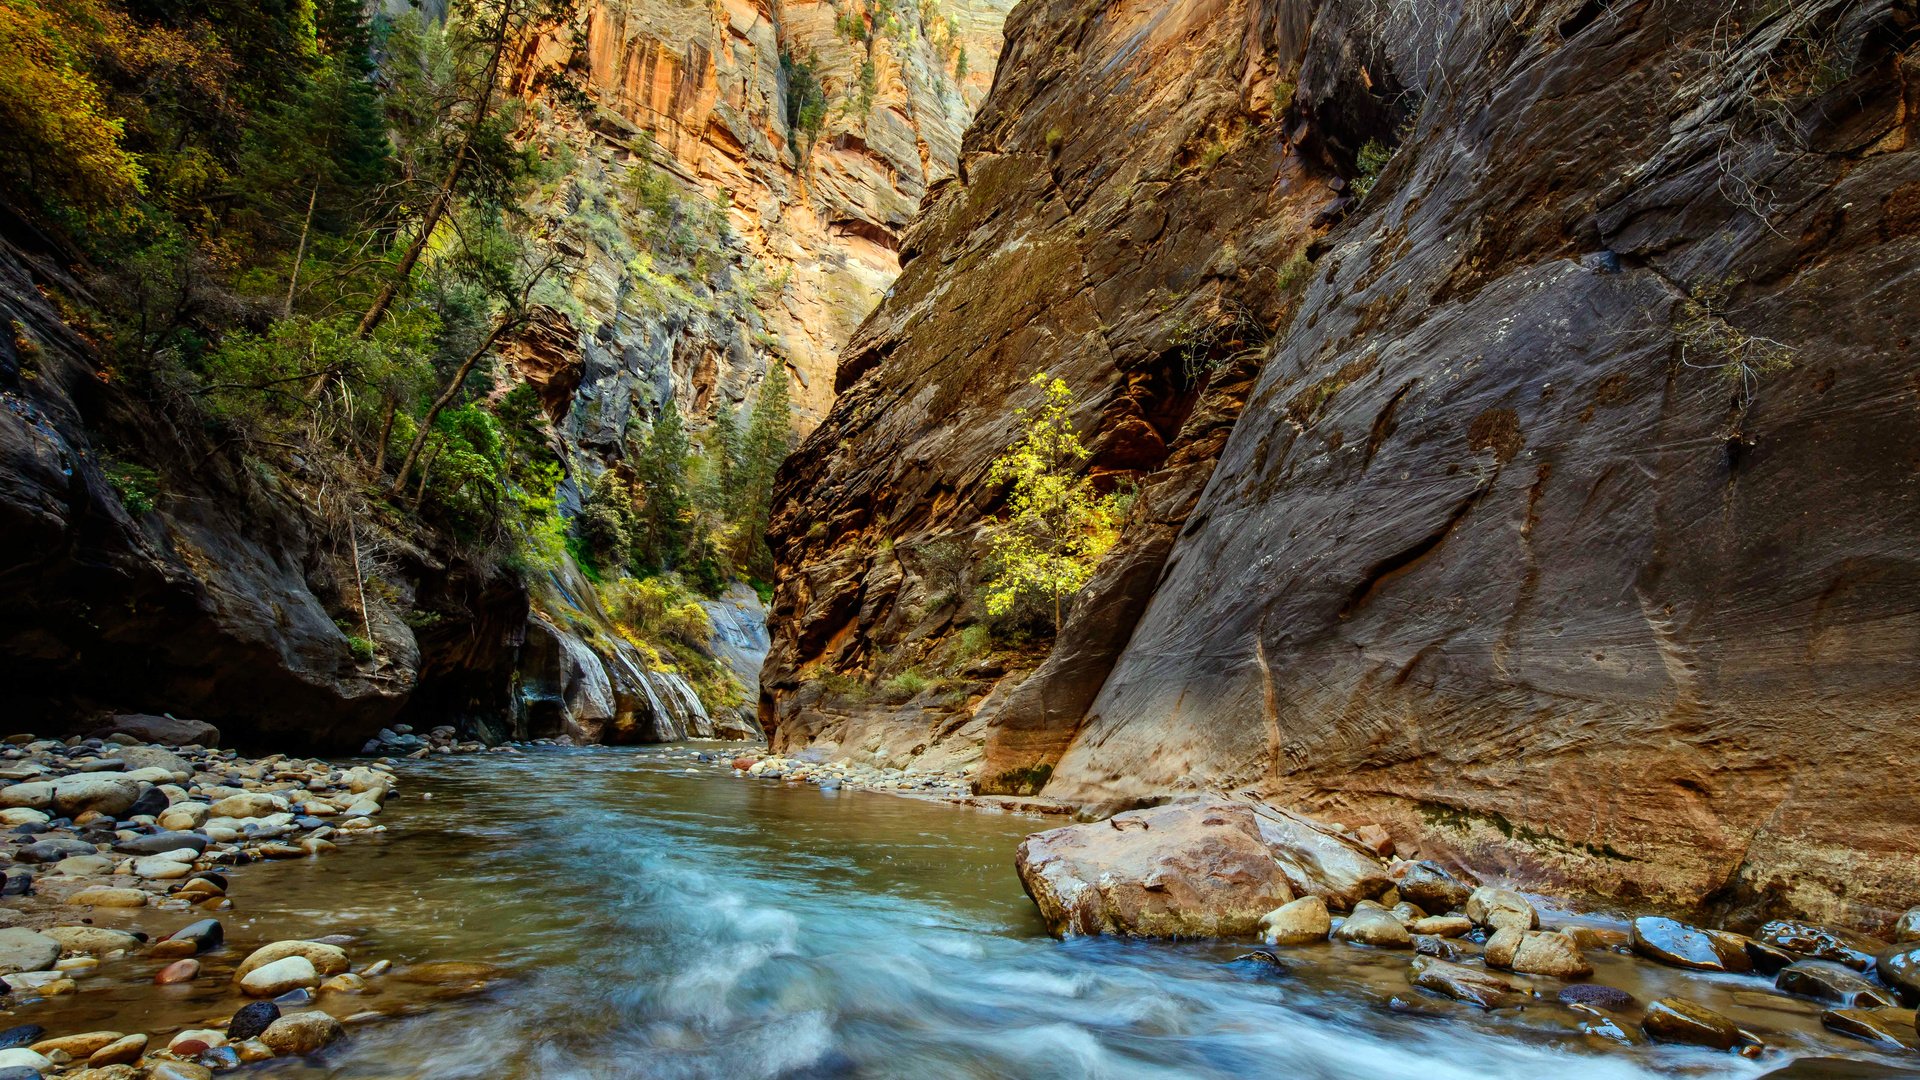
1487 431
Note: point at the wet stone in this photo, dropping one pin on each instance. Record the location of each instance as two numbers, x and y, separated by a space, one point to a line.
1821 942
1373 926
1429 885
1596 996
1899 967
1475 986
1672 942
163 842
251 1020
21 1035
205 935
1888 1027
1824 980
1678 1020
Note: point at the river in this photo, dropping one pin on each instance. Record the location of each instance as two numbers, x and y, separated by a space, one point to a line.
660 923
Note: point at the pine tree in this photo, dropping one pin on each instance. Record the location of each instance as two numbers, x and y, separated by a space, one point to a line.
664 519
769 438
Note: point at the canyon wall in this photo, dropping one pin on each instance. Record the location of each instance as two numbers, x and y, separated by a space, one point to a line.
1568 529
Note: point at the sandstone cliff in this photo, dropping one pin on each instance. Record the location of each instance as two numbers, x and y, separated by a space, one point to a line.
1568 526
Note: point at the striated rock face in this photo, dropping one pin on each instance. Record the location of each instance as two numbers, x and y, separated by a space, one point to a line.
221 602
1566 527
1543 576
812 217
1133 249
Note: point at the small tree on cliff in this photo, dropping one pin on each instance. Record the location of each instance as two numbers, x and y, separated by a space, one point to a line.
1058 526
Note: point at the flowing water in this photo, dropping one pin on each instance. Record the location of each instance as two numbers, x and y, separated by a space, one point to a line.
656 923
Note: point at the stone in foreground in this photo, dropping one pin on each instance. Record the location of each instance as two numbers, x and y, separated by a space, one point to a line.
1677 1020
1297 922
1188 869
1475 986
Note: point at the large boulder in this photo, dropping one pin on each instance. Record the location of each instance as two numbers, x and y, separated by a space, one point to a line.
1322 860
103 792
165 730
1673 942
1189 869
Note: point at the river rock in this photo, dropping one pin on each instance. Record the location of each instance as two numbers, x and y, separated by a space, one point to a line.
1429 885
178 1070
1905 929
179 971
195 1041
165 843
21 1035
26 950
1296 922
251 1020
92 940
252 804
105 896
1889 1027
1672 942
1502 945
185 815
345 983
325 959
15 816
98 792
1444 948
204 935
78 1046
155 757
1552 954
1374 926
123 1052
165 730
52 851
279 976
1500 908
1320 860
83 866
34 794
302 1033
20 1057
1450 926
444 972
1679 1020
1476 986
1188 869
1821 942
1824 980
1899 967
1596 996
161 868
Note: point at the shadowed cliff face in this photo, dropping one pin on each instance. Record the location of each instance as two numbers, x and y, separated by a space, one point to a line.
1567 527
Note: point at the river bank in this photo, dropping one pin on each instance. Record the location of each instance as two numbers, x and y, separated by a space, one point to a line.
645 912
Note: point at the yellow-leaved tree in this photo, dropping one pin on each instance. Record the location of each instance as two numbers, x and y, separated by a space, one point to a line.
1058 524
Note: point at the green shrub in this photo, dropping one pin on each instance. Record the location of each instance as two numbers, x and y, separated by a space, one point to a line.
1373 158
137 486
910 683
360 647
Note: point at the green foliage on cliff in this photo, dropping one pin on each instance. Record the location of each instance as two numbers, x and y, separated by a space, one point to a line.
310 258
1058 526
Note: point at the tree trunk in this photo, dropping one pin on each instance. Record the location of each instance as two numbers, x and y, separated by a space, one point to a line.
442 198
446 398
300 253
386 435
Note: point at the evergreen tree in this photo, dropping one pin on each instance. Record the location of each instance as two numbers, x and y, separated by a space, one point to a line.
769 438
664 519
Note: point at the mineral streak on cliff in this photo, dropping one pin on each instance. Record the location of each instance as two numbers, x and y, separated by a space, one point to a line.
1568 524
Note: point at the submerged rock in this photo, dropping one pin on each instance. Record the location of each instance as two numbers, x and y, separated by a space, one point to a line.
1188 869
1888 1027
1476 986
1824 980
1596 996
1679 1020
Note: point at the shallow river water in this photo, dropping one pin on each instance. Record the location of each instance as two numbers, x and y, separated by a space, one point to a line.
660 924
